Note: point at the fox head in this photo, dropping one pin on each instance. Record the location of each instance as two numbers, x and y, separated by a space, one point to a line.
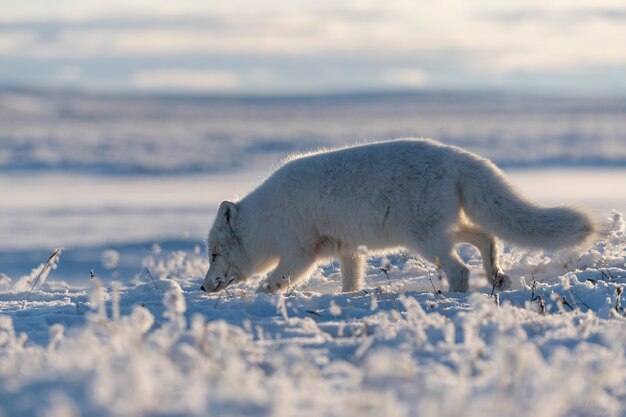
227 256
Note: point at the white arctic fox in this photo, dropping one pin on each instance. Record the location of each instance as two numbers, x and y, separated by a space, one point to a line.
414 194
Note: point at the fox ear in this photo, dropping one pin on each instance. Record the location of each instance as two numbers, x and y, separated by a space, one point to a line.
227 212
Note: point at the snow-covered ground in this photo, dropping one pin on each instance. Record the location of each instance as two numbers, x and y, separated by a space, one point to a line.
129 187
160 346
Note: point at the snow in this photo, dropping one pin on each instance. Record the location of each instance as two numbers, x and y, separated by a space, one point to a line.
397 348
103 134
129 185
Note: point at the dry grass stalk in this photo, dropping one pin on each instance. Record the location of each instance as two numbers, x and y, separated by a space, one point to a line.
223 289
46 269
579 299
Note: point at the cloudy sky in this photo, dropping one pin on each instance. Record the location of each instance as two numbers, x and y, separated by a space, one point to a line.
319 46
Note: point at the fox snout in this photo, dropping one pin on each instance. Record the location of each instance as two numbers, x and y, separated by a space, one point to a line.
212 284
209 284
210 289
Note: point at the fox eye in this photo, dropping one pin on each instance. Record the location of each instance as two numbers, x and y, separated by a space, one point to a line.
213 256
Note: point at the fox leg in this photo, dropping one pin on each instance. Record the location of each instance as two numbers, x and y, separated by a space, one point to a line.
486 245
455 270
290 271
352 272
439 249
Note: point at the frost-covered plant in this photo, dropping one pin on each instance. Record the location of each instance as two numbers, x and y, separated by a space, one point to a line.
97 299
40 274
175 305
5 282
110 259
185 266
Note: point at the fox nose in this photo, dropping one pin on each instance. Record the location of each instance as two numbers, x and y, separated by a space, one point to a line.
202 288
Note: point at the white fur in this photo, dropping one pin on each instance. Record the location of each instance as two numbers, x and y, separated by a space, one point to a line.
414 194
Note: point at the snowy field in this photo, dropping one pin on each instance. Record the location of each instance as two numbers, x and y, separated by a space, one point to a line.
128 186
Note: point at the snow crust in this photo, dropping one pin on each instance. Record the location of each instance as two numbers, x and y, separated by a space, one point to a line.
552 346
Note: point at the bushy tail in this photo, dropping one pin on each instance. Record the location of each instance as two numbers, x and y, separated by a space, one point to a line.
490 201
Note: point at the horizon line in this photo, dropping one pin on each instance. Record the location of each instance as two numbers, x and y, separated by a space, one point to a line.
305 94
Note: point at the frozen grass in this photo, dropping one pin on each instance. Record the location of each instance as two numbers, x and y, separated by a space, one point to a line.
399 348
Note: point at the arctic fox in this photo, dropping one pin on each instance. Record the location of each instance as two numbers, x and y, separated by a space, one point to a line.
415 194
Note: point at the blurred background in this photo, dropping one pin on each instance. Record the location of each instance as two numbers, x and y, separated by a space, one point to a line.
124 124
323 46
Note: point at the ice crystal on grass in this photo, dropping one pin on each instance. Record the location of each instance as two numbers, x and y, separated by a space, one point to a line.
175 305
334 309
39 275
110 259
5 282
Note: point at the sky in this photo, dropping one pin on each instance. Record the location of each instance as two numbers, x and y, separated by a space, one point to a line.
314 46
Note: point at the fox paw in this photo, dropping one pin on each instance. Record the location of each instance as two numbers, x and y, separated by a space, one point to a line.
272 287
